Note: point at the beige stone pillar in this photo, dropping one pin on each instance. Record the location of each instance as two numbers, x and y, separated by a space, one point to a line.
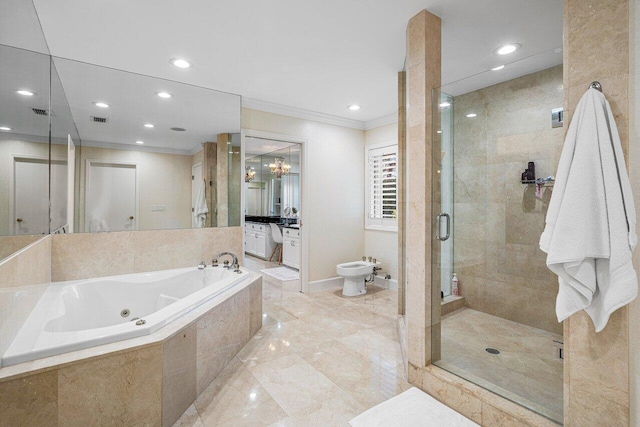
423 75
402 144
223 179
210 167
596 369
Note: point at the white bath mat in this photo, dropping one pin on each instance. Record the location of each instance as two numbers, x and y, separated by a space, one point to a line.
413 408
282 273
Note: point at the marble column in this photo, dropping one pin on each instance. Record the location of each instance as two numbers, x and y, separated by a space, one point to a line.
423 75
596 369
223 179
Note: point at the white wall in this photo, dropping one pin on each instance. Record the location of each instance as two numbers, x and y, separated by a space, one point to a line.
335 175
634 170
164 179
382 245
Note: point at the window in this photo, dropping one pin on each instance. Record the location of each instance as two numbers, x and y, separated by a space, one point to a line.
382 187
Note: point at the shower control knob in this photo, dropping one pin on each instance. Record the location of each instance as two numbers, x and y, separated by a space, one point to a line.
364 258
19 219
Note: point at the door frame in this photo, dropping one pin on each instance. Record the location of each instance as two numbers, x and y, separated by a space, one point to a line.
87 181
12 184
304 201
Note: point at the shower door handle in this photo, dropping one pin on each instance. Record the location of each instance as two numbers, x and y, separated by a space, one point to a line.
438 221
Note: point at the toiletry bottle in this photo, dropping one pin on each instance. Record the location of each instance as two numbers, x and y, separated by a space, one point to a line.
454 285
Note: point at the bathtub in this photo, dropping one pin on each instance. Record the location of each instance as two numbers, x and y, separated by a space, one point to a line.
79 314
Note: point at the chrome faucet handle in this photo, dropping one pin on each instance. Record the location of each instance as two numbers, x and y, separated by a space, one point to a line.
236 268
369 259
226 264
202 265
375 261
214 263
364 258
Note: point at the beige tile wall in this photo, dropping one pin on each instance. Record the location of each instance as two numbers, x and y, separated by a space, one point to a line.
634 172
497 259
596 47
596 368
84 255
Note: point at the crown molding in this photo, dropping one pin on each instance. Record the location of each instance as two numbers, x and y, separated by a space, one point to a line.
381 121
131 147
269 107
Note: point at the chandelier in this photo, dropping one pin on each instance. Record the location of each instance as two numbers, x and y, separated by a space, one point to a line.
249 174
279 167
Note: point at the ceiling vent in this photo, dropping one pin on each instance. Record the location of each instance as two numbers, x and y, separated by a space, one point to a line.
99 119
41 112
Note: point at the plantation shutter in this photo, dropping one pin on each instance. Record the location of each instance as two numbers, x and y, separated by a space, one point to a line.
382 187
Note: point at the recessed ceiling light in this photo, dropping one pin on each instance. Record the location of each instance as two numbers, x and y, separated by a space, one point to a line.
470 115
164 94
25 92
149 125
438 131
5 128
180 63
140 142
101 104
354 107
445 104
508 48
498 68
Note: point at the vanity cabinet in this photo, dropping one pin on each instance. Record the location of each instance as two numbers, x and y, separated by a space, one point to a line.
291 250
258 240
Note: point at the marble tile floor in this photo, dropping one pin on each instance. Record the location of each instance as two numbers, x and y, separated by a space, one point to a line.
319 360
527 370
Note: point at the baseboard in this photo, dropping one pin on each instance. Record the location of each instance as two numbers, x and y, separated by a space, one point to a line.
321 285
386 283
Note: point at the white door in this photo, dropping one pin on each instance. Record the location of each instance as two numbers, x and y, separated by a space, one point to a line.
30 213
112 197
288 258
261 245
196 182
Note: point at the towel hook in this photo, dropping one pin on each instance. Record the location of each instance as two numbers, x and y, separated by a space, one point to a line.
596 86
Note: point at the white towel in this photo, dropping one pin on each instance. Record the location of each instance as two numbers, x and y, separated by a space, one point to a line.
200 209
591 221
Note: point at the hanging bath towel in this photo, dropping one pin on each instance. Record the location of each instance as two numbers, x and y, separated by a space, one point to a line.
591 221
200 209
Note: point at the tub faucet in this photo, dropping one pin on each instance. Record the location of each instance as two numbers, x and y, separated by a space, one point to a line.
235 259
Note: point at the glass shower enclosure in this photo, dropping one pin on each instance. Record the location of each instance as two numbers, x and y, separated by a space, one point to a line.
493 138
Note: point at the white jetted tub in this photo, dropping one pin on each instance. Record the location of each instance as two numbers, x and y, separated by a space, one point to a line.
79 314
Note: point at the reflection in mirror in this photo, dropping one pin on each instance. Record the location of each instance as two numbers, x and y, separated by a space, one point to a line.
24 148
272 179
156 154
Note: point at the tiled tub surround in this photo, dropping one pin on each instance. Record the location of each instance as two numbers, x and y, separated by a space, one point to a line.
85 313
496 252
149 380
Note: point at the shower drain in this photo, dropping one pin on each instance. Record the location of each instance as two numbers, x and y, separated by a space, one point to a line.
125 312
492 350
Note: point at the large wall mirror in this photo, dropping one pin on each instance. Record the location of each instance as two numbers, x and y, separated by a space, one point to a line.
146 153
155 154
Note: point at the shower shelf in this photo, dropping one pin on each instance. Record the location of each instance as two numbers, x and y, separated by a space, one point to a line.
543 182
